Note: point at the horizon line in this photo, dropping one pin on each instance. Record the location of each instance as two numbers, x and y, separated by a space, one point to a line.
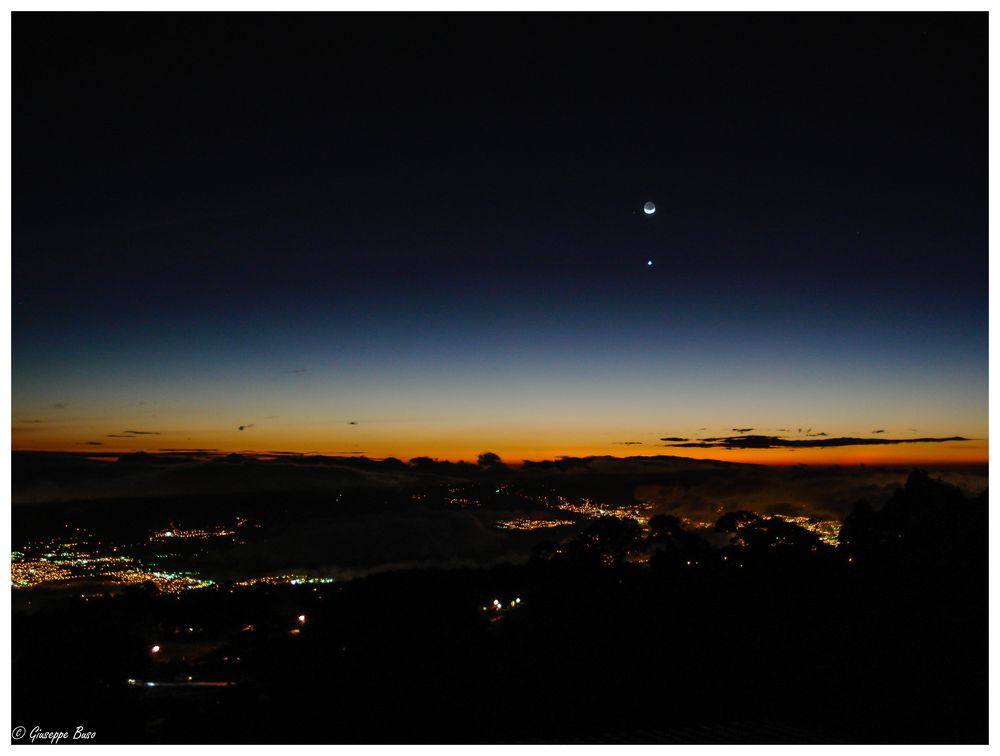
274 455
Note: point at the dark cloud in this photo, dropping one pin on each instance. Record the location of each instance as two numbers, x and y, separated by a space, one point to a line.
742 430
626 443
826 493
190 473
880 430
61 405
784 508
142 433
244 427
117 435
352 544
404 532
673 438
777 442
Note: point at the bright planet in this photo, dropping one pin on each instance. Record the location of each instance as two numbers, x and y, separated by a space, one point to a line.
649 208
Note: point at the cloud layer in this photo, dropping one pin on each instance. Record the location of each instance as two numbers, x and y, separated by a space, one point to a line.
778 442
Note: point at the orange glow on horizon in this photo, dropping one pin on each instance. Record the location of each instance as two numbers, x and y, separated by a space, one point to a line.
936 453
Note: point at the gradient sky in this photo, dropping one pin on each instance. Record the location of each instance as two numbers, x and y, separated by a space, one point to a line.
423 235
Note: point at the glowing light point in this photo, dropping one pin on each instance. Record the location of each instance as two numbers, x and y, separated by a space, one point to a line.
649 208
155 650
649 263
302 619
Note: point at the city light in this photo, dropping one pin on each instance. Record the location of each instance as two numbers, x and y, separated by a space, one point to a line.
589 508
86 559
527 523
283 580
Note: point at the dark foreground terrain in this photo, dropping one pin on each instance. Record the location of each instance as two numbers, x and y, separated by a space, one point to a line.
611 633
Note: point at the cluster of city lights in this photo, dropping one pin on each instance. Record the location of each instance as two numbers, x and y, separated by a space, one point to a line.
527 523
198 534
498 607
32 572
283 580
59 562
588 508
827 530
201 535
166 582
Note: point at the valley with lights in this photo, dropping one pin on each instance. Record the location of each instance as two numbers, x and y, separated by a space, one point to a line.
517 601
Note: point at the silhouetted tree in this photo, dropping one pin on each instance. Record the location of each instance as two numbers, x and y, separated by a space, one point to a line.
489 460
663 526
925 525
671 543
761 533
858 531
731 522
612 537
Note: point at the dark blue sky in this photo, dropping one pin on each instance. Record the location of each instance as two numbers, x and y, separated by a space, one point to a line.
449 208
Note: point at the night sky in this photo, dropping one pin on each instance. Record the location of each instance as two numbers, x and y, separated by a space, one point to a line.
423 234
